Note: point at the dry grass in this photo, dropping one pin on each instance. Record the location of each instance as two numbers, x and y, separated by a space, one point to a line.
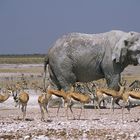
22 70
13 74
131 73
22 59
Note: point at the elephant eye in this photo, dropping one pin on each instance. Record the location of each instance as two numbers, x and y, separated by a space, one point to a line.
131 43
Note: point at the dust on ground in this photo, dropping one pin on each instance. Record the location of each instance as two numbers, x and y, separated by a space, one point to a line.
95 124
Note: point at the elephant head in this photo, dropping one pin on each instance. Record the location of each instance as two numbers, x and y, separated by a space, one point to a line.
127 49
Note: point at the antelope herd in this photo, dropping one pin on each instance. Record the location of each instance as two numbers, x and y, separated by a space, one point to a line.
80 93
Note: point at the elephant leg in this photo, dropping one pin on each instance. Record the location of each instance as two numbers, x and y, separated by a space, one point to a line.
112 82
66 80
53 80
62 78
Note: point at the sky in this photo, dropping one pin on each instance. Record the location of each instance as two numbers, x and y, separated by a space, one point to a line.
32 26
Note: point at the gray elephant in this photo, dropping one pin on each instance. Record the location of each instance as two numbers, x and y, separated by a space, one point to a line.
78 57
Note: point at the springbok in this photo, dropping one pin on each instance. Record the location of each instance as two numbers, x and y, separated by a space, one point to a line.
131 95
21 98
70 98
74 98
5 96
43 103
135 85
44 100
116 95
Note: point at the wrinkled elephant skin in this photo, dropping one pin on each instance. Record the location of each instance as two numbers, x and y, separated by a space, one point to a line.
78 57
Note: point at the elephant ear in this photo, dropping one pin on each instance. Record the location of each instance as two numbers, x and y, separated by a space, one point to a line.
121 48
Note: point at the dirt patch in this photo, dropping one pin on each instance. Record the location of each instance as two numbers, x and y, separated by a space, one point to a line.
101 124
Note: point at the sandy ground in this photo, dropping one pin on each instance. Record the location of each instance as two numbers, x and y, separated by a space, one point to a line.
101 124
96 125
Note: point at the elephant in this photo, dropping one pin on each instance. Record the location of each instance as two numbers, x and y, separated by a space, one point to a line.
80 57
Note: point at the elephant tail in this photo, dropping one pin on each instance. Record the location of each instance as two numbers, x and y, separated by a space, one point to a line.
46 62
